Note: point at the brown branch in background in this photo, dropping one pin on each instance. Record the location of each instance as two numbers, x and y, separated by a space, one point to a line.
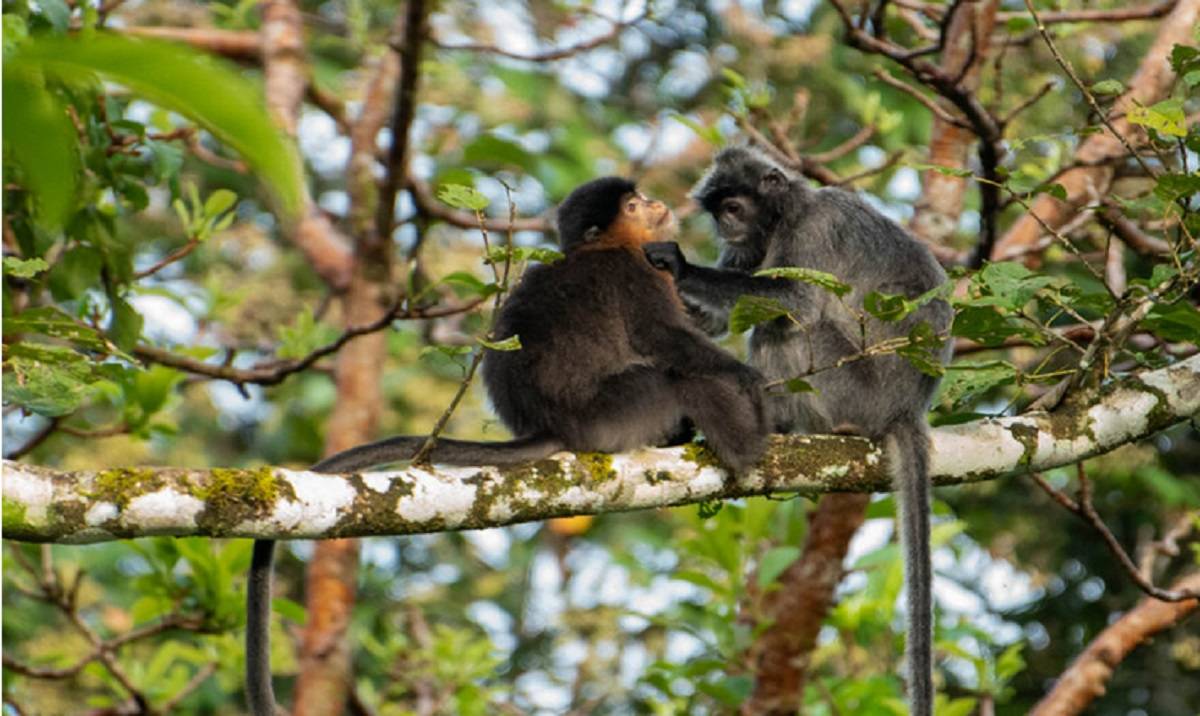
1130 233
1085 680
234 44
176 255
1083 508
938 112
555 53
50 588
275 372
429 205
831 155
795 608
1149 84
1146 12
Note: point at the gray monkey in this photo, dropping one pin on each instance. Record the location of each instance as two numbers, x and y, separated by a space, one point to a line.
767 218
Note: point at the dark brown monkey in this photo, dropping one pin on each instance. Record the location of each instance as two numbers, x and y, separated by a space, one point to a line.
608 362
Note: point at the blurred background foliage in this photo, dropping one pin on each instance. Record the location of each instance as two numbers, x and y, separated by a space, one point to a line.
146 205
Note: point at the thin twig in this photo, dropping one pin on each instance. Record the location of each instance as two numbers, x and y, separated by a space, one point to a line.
1100 113
1086 510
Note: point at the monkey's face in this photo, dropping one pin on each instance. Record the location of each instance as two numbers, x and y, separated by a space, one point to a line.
644 220
736 217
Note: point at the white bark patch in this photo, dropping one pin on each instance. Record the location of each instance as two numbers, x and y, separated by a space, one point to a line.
163 511
1124 415
435 497
31 491
100 513
380 482
984 446
320 501
1180 386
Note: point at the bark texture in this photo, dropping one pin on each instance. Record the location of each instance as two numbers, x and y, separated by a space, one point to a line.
45 505
1085 680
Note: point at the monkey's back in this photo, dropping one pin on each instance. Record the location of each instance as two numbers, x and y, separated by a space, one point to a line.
571 319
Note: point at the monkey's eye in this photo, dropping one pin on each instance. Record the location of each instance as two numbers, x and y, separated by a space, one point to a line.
731 208
631 207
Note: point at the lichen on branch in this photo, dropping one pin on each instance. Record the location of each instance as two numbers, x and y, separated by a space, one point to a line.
46 505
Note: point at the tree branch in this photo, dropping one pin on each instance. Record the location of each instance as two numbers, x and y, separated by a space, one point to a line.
46 505
1085 679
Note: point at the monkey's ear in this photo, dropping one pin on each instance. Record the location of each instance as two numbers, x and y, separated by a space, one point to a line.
592 234
772 182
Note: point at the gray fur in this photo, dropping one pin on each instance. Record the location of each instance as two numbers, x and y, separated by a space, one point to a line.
885 398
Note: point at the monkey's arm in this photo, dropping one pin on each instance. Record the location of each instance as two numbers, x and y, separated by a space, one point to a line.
713 292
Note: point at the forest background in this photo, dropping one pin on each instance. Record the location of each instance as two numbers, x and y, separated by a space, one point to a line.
265 241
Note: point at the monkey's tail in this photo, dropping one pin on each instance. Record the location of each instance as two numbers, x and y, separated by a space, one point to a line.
907 443
260 695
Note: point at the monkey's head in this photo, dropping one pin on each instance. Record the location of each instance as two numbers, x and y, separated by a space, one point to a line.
746 193
611 209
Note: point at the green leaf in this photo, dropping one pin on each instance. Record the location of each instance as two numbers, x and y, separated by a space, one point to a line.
512 343
1108 87
53 322
1185 59
948 171
887 307
799 385
963 381
1170 187
1166 117
461 196
48 380
749 311
209 91
923 350
488 150
824 280
57 12
219 202
125 328
1179 321
24 268
467 284
1010 662
773 562
41 141
290 610
498 254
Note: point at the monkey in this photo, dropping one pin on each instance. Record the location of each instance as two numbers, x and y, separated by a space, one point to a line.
608 361
767 217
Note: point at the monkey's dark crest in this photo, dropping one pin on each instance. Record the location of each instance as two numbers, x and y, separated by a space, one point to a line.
609 361
767 217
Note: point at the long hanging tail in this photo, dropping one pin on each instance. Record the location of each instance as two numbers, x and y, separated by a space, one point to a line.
908 457
260 695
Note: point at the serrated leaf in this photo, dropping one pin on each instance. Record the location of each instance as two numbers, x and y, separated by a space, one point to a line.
774 562
53 322
461 196
49 389
1108 87
963 381
1179 321
512 343
821 279
1184 59
24 268
749 311
209 91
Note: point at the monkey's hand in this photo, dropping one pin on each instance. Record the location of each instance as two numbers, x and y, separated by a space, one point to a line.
666 256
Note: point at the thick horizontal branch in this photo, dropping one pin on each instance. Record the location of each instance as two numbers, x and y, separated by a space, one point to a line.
42 504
